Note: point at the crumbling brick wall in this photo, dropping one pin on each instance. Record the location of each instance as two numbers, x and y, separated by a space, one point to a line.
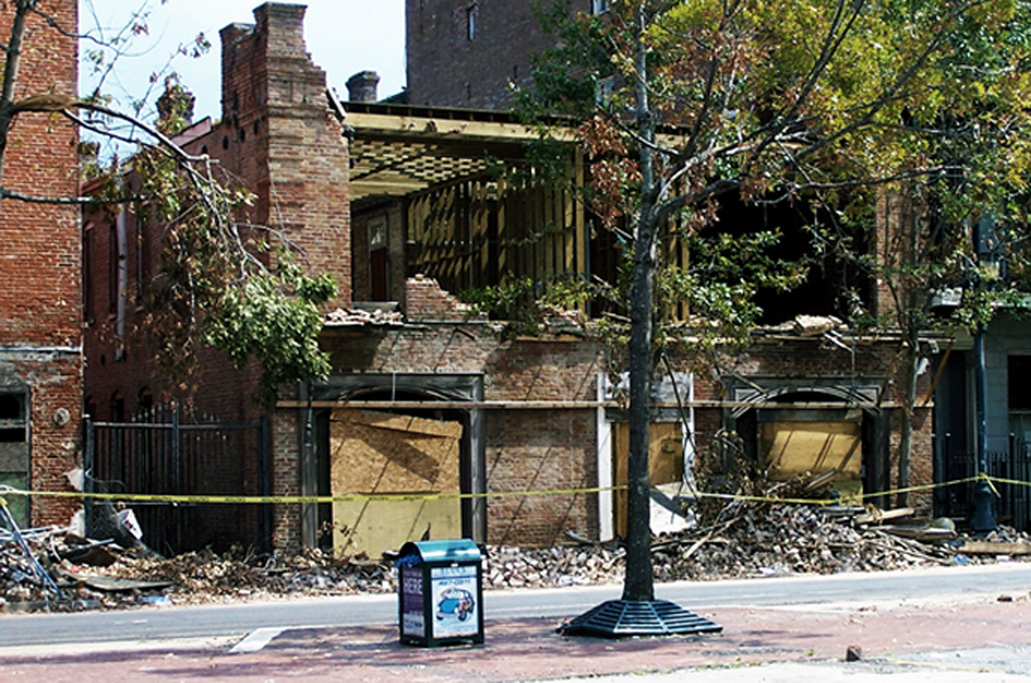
542 448
426 301
277 138
40 352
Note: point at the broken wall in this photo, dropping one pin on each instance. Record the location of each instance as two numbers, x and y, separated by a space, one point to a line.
782 372
531 443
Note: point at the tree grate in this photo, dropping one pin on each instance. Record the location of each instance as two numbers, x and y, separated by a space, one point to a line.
621 618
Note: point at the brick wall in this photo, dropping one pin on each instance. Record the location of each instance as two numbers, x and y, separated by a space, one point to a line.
40 262
535 449
448 68
286 466
807 360
538 449
425 301
278 139
541 450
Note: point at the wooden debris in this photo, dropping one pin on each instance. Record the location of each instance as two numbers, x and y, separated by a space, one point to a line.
923 534
878 516
994 548
820 480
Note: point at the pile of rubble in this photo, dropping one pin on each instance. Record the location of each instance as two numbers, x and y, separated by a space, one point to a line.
342 317
55 569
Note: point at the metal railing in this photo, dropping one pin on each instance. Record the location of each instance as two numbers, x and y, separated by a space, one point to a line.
160 453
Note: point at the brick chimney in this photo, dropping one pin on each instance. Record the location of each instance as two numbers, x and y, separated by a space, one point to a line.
283 26
279 136
361 87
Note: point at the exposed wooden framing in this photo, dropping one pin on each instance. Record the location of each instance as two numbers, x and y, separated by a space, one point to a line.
503 235
434 126
482 246
580 223
549 228
546 229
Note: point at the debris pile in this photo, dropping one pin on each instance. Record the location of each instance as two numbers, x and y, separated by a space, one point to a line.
52 568
343 317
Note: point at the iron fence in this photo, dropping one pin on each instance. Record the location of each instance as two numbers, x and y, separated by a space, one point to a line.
161 453
1012 506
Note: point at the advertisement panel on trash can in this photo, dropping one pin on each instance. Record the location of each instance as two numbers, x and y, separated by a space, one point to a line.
412 618
454 601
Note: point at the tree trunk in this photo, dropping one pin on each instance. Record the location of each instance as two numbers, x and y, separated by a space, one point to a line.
906 428
12 63
639 584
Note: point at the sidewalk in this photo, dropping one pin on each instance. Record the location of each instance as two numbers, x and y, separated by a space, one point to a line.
974 639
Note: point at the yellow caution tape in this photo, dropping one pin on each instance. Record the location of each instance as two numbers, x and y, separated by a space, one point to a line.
353 497
343 498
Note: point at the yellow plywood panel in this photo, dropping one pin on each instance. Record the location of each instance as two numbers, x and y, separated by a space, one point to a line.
791 448
376 526
665 461
374 452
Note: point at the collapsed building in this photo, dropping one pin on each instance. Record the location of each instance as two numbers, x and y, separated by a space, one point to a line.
502 437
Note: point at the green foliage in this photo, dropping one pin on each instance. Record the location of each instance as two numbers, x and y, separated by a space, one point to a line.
899 124
830 104
276 318
219 281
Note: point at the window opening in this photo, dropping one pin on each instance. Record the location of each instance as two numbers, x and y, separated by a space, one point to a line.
470 23
12 418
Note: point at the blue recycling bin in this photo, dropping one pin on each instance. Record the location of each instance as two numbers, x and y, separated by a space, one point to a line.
440 593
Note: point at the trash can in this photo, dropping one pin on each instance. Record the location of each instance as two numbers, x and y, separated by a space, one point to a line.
440 593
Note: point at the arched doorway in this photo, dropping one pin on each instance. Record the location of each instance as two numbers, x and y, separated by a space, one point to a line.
794 429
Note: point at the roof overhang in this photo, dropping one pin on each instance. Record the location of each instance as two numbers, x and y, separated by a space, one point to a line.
398 150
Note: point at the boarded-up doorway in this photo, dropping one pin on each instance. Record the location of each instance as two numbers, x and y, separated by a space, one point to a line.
665 462
386 453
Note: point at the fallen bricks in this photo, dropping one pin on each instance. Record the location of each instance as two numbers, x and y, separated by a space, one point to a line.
748 541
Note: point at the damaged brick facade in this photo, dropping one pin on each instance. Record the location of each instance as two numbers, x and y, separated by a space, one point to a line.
40 313
535 419
278 137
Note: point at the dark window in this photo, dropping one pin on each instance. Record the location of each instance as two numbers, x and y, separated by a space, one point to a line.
145 405
1020 382
117 408
12 418
142 255
470 23
112 269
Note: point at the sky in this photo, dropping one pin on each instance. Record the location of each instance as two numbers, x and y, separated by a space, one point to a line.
342 36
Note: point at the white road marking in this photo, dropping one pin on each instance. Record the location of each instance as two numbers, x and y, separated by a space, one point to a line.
256 641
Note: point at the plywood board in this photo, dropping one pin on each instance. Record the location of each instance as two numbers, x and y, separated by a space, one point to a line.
386 453
791 448
665 462
376 526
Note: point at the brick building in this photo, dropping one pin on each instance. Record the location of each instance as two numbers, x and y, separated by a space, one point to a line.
400 203
40 313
